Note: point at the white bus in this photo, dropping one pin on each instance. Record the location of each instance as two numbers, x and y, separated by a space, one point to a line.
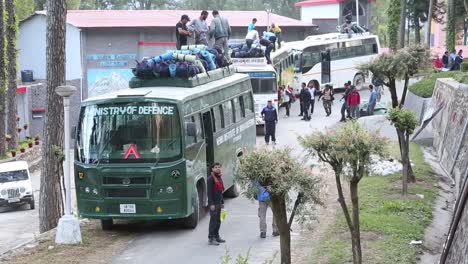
264 83
333 58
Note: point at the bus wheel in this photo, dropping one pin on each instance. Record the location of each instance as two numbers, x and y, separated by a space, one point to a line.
192 220
233 192
358 81
107 224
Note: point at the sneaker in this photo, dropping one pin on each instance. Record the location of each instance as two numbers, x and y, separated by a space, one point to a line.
213 242
263 234
268 143
342 120
300 114
274 142
220 240
276 233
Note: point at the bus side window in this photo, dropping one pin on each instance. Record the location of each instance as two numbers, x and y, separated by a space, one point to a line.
242 106
218 118
227 112
200 128
248 103
189 140
213 120
236 111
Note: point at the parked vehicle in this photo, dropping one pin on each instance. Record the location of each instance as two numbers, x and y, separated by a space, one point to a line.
15 184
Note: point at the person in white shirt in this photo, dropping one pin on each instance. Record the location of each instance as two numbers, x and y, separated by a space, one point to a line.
311 87
251 37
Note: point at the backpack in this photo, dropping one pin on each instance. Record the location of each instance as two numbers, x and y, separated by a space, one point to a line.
144 69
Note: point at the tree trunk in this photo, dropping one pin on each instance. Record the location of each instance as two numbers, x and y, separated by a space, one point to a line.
404 161
2 84
11 33
405 91
451 27
51 206
393 92
417 30
356 233
429 23
402 23
278 205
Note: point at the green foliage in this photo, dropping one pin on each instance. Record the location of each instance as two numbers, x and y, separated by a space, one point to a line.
403 119
464 66
24 8
407 61
347 145
393 220
280 173
393 14
73 4
425 87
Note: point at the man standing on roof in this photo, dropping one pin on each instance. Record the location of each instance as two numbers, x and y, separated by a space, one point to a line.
271 37
269 47
221 32
251 25
182 31
277 31
251 37
200 27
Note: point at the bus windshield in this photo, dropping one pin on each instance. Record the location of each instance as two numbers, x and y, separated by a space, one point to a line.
129 133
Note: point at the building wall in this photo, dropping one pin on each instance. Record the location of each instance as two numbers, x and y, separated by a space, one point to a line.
308 13
32 48
109 54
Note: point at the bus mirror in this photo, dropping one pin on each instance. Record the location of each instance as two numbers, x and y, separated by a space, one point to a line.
191 129
73 132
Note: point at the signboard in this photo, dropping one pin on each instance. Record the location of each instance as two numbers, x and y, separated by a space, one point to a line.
261 75
249 61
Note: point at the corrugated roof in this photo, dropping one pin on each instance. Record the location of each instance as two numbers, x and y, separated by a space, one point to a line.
168 18
320 2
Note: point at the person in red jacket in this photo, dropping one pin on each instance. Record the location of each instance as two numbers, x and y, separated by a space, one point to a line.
438 63
353 101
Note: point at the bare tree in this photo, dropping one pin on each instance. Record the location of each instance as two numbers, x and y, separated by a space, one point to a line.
11 34
402 23
51 205
2 83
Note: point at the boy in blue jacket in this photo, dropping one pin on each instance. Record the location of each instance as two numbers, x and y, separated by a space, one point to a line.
263 198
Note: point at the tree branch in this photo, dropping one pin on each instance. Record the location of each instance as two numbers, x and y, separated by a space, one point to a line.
293 213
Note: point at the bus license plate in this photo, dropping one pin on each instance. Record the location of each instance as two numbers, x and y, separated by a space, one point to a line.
127 209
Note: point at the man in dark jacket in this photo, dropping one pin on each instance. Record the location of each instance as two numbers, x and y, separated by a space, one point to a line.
270 116
215 189
305 100
344 107
269 47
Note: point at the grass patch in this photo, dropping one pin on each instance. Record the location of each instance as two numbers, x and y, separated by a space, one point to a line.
425 87
385 213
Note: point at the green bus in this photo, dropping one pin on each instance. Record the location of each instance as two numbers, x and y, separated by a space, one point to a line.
144 153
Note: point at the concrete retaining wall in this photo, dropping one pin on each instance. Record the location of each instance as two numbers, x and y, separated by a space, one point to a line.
417 105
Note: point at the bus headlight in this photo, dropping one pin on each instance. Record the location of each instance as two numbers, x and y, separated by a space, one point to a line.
95 191
169 189
3 192
87 190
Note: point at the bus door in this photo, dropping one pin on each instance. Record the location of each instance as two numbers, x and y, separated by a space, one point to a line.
326 69
209 139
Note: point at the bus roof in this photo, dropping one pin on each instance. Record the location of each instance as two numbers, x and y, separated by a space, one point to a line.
169 93
254 68
326 39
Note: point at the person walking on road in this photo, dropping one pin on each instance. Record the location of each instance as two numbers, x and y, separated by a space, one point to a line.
303 85
215 189
354 99
372 100
287 98
182 31
220 30
200 28
270 116
251 25
344 106
328 99
305 99
312 91
263 198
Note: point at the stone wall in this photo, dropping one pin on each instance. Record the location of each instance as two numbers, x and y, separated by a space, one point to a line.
417 105
458 253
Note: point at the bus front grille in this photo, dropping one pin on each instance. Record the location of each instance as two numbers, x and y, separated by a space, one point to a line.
126 180
127 193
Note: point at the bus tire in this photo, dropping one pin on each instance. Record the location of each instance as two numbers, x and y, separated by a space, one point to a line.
107 224
359 80
232 192
192 221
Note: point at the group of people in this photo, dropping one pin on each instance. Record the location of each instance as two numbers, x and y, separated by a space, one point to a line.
269 39
219 30
450 61
215 189
307 98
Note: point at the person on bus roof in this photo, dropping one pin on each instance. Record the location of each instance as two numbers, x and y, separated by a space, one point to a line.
182 31
269 47
271 37
215 189
251 37
270 116
200 28
251 25
277 30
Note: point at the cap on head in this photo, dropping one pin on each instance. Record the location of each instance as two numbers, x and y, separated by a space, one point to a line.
185 17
